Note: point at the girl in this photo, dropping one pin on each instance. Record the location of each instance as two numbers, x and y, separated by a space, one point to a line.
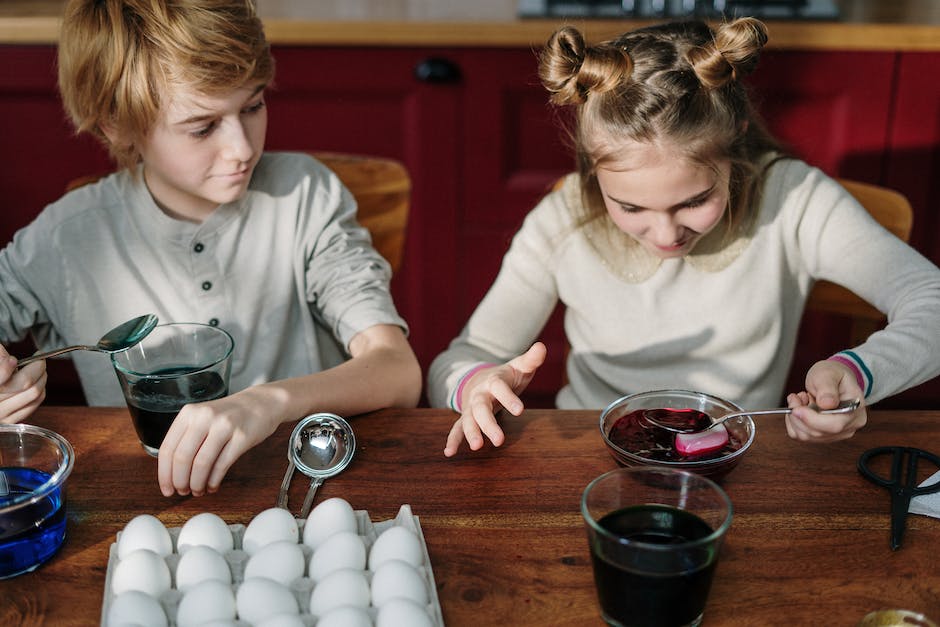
684 248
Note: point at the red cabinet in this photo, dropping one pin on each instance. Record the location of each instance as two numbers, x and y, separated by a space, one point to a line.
482 146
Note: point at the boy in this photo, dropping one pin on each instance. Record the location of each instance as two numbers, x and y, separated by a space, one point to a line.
201 226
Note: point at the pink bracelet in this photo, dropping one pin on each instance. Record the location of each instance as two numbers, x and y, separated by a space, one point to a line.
455 405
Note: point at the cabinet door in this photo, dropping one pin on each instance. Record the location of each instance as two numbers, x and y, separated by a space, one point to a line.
369 101
513 151
831 109
41 152
914 169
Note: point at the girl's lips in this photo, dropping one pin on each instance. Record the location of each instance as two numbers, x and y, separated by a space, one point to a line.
671 248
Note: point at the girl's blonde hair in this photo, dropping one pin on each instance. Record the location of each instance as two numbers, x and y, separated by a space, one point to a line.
677 83
117 58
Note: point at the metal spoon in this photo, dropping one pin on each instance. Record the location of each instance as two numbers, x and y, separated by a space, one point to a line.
675 420
117 339
321 446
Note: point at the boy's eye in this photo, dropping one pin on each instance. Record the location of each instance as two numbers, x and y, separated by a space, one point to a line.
204 131
258 106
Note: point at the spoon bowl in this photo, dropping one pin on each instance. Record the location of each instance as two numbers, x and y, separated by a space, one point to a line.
694 421
118 339
321 446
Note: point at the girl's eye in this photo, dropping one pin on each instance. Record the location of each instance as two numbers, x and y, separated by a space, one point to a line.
698 202
629 209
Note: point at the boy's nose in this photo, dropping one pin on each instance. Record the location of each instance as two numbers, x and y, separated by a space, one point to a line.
237 146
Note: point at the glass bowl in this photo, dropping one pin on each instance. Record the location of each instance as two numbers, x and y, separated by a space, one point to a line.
740 432
34 464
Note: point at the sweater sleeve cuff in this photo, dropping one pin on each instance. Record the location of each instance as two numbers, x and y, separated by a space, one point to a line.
454 402
862 374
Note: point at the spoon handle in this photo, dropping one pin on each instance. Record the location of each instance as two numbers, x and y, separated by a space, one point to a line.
285 484
315 483
68 349
843 408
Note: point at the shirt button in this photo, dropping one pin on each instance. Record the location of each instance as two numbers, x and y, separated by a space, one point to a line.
214 322
199 247
207 285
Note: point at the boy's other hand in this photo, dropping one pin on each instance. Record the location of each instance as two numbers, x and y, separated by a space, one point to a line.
205 439
21 391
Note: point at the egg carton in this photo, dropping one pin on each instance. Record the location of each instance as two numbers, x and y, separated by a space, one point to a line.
301 588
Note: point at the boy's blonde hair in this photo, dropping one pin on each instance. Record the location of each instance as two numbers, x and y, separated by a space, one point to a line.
118 57
677 84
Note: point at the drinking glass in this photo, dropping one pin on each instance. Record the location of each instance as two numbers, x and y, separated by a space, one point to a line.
176 364
654 536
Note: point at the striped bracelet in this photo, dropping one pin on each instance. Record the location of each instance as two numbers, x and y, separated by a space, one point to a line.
458 389
862 374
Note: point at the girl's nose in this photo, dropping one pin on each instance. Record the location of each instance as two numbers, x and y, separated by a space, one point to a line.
665 231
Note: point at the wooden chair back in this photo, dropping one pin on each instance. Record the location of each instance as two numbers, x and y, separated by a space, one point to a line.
893 211
381 187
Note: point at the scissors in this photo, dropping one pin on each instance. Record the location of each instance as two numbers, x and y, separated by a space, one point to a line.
902 483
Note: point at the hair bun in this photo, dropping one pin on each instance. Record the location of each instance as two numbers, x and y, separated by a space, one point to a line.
732 54
570 70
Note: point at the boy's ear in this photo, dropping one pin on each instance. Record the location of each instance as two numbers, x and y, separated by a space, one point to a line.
109 131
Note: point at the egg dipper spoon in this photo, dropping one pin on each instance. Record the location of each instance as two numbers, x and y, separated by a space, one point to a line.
321 446
116 340
695 421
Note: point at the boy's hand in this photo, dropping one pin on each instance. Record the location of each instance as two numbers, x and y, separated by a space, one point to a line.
827 383
485 392
206 438
21 391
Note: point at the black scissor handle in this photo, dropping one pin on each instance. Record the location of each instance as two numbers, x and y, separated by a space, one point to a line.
906 480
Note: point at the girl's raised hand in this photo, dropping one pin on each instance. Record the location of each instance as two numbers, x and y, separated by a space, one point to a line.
21 391
827 383
485 392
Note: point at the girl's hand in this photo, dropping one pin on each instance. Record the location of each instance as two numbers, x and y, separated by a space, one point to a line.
21 391
206 438
827 383
485 392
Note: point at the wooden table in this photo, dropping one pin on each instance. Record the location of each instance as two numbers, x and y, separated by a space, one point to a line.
808 545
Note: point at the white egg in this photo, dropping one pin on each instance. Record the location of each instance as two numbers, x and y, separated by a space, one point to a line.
398 612
396 579
282 561
341 550
260 598
201 563
206 529
269 526
345 616
207 601
136 608
144 532
396 543
329 517
346 586
141 570
283 620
